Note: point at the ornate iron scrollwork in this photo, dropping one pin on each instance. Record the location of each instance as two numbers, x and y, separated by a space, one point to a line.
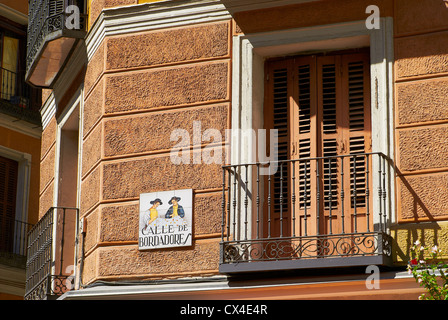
324 246
45 18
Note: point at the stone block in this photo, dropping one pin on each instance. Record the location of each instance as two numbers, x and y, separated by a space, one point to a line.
128 179
422 101
47 169
48 137
119 223
168 46
90 190
95 68
91 149
150 89
421 55
423 197
93 107
129 261
91 238
151 132
423 148
46 199
420 15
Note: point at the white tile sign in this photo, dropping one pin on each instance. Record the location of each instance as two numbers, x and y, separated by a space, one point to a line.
165 219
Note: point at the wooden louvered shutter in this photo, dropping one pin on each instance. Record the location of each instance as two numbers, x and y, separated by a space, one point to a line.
304 143
55 7
330 127
8 191
344 129
320 106
356 92
278 95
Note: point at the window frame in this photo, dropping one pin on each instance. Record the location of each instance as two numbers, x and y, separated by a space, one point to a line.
248 80
23 183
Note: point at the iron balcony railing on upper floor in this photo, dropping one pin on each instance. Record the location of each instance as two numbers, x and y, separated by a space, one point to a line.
17 98
306 213
13 241
54 29
51 255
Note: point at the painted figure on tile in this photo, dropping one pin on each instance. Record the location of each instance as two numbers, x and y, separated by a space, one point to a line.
176 212
175 209
153 213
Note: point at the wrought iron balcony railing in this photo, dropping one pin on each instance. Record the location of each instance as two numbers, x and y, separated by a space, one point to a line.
306 213
51 254
54 28
13 241
18 99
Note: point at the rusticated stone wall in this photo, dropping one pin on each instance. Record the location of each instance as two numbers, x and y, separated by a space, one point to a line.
47 164
421 100
138 89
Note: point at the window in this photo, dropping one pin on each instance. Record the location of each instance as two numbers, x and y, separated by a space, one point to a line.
250 53
328 198
320 105
8 192
9 47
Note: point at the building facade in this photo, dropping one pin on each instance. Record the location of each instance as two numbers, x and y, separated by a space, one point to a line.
211 149
20 134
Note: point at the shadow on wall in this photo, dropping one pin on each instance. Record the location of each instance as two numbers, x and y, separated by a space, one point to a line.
421 211
428 233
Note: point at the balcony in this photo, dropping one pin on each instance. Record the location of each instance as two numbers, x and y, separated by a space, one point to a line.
18 99
13 242
54 29
51 255
306 213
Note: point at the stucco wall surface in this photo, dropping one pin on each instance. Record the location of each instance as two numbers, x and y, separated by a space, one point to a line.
421 67
139 87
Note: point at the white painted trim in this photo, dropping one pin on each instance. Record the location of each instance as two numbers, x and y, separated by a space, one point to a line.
250 50
75 103
151 16
247 5
48 110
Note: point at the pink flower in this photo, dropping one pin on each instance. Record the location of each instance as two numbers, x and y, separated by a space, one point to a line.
435 249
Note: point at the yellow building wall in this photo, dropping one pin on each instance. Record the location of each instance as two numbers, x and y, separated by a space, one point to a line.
15 140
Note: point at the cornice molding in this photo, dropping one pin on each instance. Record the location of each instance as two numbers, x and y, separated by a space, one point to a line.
21 126
248 5
152 16
13 15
